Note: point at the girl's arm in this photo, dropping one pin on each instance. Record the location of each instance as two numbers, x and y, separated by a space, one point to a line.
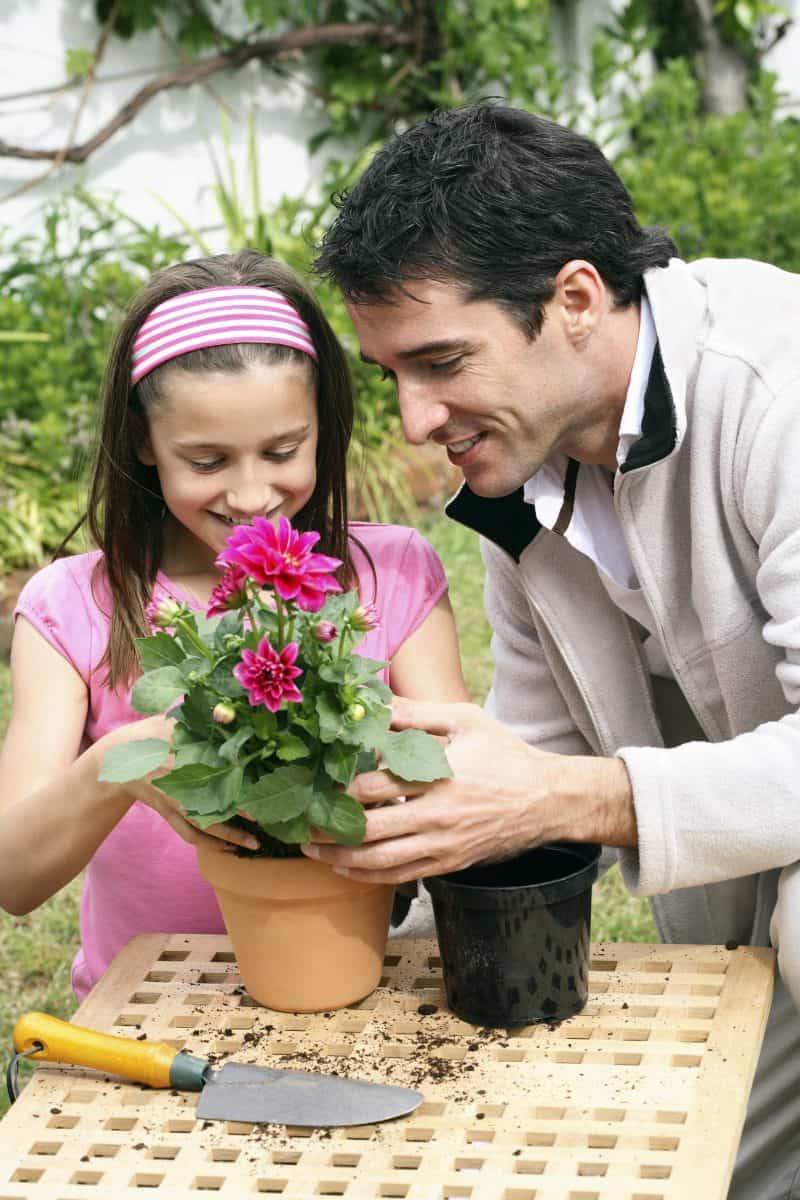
428 665
54 812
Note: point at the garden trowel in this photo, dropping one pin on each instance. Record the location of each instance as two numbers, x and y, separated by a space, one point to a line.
235 1092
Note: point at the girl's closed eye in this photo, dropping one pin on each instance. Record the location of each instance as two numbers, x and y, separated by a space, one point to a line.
205 464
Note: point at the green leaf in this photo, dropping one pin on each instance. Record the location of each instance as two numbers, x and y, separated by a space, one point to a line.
331 718
279 796
160 650
339 815
223 680
381 690
229 750
340 763
196 710
79 61
354 669
265 723
200 790
367 761
291 747
156 690
296 830
415 756
196 665
133 760
198 752
369 733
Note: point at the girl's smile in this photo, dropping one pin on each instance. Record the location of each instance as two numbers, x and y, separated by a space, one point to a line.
230 446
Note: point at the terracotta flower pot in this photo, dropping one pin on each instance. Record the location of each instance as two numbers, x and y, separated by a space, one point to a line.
305 939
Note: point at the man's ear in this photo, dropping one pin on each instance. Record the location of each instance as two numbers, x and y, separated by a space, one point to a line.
140 435
582 298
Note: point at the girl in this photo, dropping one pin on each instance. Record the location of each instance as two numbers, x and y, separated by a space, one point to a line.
227 396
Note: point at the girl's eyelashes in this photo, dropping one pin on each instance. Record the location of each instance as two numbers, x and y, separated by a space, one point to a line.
205 466
216 463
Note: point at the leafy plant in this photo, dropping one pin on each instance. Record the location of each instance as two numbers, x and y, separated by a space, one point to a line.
246 738
62 293
724 186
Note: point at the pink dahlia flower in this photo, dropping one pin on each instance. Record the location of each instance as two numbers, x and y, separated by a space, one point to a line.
281 558
268 677
229 593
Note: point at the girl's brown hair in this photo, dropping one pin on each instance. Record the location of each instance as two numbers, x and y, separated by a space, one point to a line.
125 509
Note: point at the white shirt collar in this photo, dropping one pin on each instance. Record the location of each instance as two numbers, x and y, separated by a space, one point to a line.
630 426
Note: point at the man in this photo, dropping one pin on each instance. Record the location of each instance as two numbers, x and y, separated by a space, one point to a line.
628 429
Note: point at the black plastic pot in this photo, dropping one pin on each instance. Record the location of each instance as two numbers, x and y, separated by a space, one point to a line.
514 936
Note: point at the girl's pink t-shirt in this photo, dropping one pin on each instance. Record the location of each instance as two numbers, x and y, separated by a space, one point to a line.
144 877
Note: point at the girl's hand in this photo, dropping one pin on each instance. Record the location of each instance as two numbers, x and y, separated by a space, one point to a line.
143 790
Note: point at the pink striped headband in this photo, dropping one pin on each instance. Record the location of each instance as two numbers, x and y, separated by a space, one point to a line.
217 317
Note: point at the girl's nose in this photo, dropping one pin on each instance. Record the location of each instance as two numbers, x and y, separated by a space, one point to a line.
250 497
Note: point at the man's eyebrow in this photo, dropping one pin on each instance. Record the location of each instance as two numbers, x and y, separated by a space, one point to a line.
438 347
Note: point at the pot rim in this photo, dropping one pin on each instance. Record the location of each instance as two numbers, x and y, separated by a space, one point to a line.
585 875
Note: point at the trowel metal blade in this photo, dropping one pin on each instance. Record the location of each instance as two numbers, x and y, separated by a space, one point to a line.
239 1092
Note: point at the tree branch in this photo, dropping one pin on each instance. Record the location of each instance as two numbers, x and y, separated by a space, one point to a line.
88 83
295 41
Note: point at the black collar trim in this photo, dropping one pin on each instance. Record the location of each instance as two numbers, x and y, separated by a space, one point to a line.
659 430
512 524
505 520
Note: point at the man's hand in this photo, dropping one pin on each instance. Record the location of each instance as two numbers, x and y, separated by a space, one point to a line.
504 798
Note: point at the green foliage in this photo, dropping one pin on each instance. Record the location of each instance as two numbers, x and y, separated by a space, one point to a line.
724 186
283 758
440 54
62 292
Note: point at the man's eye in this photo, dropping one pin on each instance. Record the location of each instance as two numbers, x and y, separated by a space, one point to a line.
446 364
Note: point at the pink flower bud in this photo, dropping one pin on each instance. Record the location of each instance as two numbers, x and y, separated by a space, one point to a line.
364 618
163 613
324 631
224 713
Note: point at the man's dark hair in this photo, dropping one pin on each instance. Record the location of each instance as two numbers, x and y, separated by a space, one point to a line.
495 199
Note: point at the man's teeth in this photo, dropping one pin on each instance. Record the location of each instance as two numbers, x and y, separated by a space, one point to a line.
462 447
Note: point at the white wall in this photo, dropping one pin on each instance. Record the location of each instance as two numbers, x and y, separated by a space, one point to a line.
163 150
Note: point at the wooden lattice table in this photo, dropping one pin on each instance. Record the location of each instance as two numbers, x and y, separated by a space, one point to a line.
640 1097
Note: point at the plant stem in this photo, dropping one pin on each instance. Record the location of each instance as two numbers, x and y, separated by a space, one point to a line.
195 639
279 611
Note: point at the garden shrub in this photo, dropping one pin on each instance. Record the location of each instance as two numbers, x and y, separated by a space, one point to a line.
724 186
71 282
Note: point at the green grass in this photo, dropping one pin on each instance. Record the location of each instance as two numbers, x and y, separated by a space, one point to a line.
36 951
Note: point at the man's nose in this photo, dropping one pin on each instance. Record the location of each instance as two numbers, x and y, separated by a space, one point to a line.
421 416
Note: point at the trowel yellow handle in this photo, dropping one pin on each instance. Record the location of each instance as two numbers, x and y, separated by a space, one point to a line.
154 1063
